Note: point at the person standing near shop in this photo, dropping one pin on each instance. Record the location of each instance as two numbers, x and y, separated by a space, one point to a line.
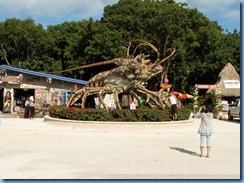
7 102
27 108
205 130
173 102
32 107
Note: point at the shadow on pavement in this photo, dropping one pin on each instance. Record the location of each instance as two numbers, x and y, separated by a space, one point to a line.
184 151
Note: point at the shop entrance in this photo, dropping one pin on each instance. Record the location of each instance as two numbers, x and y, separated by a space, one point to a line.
20 95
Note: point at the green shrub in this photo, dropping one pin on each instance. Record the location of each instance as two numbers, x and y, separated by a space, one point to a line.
95 115
141 114
184 113
147 114
121 115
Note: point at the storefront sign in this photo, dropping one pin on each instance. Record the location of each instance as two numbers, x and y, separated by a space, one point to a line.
33 86
202 86
232 84
10 79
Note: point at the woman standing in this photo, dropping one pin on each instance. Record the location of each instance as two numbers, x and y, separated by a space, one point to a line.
205 130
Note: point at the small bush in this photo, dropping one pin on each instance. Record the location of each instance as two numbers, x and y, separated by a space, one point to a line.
95 115
184 113
121 115
146 114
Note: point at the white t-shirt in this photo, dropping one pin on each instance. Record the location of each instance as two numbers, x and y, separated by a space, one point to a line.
172 100
32 98
27 103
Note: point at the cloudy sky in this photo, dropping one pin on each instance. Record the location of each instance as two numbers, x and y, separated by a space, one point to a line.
52 12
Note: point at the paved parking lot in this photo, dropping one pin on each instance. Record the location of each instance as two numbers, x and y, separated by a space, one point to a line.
33 149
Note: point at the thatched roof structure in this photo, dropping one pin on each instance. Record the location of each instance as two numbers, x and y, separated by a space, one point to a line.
228 73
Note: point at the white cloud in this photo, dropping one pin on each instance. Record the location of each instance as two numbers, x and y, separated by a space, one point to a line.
54 8
94 8
229 9
233 15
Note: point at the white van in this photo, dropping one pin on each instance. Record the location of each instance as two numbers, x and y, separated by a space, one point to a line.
234 109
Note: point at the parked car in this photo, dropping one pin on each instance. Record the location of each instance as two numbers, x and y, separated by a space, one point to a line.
234 109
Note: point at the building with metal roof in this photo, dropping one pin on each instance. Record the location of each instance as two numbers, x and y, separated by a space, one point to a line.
17 84
42 74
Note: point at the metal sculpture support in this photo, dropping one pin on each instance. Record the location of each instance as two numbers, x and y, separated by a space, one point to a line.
130 76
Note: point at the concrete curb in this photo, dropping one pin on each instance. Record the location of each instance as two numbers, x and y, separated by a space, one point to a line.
50 119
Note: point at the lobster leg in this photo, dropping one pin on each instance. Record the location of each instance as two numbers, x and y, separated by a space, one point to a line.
87 92
76 96
83 100
116 99
161 97
150 95
134 95
100 95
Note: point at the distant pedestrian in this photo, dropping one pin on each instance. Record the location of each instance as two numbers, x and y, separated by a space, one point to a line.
32 107
27 108
205 130
173 102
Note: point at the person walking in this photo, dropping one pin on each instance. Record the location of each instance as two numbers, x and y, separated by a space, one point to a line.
173 103
27 108
205 129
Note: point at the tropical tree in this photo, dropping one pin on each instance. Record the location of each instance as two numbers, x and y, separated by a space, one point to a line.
168 24
25 44
203 48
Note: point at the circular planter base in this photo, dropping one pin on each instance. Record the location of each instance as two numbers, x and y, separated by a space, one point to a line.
50 119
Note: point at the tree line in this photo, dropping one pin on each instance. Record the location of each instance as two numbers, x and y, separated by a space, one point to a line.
203 47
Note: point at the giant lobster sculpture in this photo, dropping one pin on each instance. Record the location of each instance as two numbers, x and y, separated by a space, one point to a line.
130 76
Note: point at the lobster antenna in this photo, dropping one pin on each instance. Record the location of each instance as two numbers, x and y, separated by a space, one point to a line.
113 60
153 47
143 42
148 44
87 66
128 49
161 61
